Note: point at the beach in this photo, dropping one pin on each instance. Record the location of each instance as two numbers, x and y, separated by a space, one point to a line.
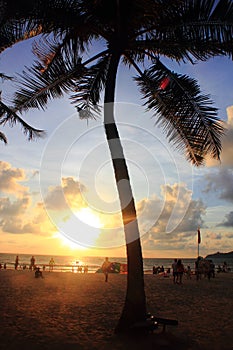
79 311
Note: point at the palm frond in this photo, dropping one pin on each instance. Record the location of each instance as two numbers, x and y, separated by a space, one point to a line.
60 71
187 116
8 116
87 110
3 138
17 31
209 25
89 87
46 17
50 49
37 86
190 30
5 77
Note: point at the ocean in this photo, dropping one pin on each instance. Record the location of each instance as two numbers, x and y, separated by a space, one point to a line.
71 263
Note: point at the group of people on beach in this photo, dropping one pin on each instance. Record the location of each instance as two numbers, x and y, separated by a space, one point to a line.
32 265
178 271
223 268
161 270
203 267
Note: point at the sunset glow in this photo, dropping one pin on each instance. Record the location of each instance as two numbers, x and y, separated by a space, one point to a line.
81 229
79 210
89 217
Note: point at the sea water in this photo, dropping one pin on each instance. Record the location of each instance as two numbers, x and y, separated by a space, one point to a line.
71 263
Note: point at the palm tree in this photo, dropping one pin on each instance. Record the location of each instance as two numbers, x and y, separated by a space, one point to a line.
139 34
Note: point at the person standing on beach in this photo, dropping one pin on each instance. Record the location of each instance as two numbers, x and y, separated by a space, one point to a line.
106 266
32 265
198 268
180 271
189 272
51 263
174 270
16 262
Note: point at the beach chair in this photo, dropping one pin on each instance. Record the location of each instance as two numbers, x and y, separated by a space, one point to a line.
165 322
147 326
152 323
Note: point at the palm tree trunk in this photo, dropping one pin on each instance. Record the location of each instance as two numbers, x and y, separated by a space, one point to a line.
135 302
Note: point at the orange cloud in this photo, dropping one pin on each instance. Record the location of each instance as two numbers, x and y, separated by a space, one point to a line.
10 178
69 193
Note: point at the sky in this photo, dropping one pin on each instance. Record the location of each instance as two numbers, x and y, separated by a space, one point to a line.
58 193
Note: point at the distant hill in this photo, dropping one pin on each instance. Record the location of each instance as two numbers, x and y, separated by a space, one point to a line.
220 255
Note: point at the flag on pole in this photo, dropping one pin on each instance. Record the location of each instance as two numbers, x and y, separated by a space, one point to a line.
164 83
199 235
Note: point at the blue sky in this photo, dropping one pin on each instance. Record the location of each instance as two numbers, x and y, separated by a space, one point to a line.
58 194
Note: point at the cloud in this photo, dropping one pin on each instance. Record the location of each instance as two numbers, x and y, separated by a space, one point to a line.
21 214
229 220
220 182
227 144
188 212
10 178
69 193
217 182
188 218
18 216
214 236
35 173
12 212
229 235
13 208
18 226
154 214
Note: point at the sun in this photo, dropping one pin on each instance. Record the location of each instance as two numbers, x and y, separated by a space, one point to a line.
83 227
87 216
66 242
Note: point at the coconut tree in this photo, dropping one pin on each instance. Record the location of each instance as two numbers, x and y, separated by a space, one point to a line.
139 34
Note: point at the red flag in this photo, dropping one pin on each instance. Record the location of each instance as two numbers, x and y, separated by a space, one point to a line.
199 235
164 83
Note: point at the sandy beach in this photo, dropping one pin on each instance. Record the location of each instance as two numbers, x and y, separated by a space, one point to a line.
80 311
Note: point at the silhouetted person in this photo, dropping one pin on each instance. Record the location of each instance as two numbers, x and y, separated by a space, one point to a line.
180 271
106 267
32 265
38 273
189 272
174 271
16 262
51 264
224 268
